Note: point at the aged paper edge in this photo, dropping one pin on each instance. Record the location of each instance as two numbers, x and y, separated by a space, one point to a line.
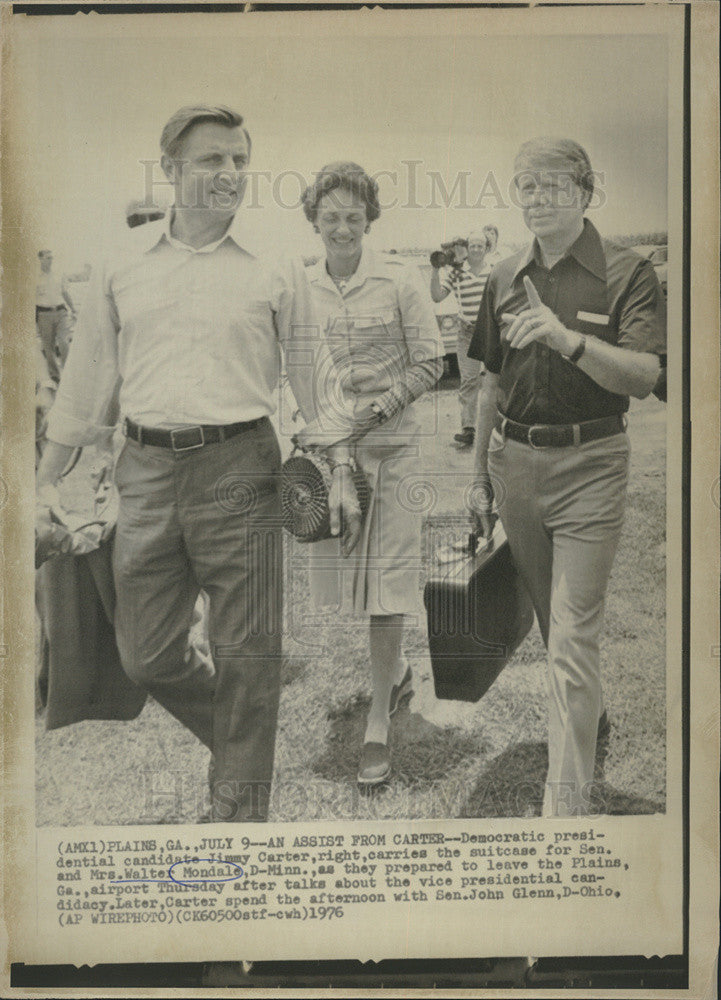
704 404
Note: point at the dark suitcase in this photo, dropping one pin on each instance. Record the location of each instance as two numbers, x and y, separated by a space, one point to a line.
478 613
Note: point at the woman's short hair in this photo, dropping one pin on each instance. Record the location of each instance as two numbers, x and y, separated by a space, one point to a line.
549 153
177 127
346 175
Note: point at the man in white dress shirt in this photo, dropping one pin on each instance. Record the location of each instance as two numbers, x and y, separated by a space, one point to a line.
183 327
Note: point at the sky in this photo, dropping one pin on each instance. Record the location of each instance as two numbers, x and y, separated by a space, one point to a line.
422 112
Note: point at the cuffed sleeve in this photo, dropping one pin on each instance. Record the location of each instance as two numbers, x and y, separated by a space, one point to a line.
423 341
86 404
413 383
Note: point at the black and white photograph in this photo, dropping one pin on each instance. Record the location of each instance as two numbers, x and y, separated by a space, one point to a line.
188 611
357 346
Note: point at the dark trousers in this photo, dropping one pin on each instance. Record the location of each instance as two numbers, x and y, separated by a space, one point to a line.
207 518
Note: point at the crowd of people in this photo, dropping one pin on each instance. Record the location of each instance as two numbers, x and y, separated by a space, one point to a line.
178 341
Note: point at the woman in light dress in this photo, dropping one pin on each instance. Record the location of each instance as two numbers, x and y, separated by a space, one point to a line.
381 327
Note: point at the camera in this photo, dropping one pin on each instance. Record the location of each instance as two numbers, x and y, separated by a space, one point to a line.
448 255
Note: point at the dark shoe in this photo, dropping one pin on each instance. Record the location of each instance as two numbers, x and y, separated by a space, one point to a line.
465 438
402 692
375 764
604 727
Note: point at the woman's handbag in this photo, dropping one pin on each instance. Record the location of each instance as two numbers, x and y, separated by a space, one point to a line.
305 487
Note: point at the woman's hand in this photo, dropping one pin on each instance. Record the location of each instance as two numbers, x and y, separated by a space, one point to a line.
365 420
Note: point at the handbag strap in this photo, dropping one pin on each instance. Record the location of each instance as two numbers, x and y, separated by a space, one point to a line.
315 450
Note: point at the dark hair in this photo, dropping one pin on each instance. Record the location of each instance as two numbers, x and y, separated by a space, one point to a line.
346 175
490 229
177 127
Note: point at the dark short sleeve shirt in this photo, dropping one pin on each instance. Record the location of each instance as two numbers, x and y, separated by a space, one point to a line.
597 288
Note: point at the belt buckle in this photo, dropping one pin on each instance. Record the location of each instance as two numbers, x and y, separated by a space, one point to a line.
531 429
187 430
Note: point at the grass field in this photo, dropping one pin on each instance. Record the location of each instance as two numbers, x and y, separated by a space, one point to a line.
450 759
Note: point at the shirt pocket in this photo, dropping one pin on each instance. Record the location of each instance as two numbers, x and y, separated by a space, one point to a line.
256 311
377 349
595 321
378 326
246 329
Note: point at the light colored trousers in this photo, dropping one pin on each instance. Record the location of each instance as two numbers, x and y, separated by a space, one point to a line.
470 372
562 510
54 331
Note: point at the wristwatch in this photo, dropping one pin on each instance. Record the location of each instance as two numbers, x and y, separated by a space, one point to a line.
577 354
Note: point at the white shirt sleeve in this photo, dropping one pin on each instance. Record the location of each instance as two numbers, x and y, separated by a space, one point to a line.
85 408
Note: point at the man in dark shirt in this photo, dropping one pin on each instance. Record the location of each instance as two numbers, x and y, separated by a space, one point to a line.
568 329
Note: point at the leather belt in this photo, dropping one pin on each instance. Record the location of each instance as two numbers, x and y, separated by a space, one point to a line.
560 435
185 438
49 309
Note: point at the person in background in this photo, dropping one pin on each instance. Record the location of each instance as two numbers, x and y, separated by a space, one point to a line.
494 255
54 313
382 331
138 212
569 329
467 281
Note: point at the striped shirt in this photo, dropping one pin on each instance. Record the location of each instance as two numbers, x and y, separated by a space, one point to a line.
468 288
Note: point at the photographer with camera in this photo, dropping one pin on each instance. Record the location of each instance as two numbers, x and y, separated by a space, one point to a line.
460 267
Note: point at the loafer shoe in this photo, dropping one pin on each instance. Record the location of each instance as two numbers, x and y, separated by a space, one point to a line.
401 692
465 438
375 764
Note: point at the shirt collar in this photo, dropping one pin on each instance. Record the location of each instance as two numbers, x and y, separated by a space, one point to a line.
370 265
587 250
157 232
